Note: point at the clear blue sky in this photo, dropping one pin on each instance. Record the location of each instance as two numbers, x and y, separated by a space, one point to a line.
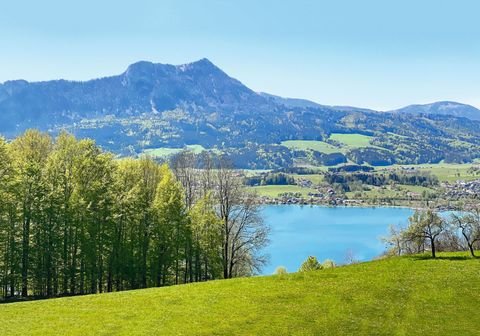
370 53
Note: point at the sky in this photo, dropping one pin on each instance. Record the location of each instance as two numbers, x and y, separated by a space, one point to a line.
371 53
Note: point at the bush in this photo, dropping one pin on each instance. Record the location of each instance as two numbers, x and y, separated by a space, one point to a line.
311 264
328 264
280 270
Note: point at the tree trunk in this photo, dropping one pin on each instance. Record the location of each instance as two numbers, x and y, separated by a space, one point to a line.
25 255
472 251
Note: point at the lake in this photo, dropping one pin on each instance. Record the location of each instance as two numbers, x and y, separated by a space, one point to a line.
327 233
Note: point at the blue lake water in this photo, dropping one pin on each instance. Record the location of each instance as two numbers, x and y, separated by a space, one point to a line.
327 233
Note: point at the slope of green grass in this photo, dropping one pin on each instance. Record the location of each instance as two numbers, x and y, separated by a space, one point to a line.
398 296
352 140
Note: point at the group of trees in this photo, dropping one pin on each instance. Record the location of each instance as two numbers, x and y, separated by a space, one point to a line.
428 230
346 179
269 179
75 220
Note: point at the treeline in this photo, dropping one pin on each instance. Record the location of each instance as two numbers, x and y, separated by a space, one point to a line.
75 220
269 179
422 179
427 230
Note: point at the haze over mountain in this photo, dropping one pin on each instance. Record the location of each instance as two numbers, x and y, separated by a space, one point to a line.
160 105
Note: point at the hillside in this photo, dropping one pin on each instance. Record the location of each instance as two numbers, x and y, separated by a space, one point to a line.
398 296
442 108
150 107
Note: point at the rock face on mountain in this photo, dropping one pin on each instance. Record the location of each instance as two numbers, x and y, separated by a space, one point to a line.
443 108
160 105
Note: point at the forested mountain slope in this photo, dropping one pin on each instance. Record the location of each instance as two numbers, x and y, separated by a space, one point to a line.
158 105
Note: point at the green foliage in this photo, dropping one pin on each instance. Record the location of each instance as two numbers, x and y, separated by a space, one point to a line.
311 264
73 220
394 296
206 231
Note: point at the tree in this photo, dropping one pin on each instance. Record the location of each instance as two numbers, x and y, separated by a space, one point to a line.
30 152
171 230
395 240
8 223
244 232
73 220
310 264
426 225
206 230
469 226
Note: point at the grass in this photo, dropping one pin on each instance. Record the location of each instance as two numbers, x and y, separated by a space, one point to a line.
274 190
352 140
318 146
445 172
346 141
397 296
314 178
164 151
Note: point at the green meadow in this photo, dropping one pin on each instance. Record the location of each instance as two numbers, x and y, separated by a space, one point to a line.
274 190
412 295
345 142
352 140
319 146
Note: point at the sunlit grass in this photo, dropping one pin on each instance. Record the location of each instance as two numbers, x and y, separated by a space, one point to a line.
398 296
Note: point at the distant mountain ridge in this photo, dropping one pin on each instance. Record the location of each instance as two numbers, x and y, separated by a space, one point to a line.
442 108
147 86
143 87
152 105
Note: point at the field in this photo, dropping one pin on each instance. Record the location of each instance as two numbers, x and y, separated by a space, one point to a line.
274 190
352 140
318 146
314 178
387 192
346 142
444 171
165 152
397 296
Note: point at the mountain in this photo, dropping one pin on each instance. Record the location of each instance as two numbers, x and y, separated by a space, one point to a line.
143 87
443 108
151 106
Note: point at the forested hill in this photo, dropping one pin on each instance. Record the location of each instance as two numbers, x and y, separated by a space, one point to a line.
153 106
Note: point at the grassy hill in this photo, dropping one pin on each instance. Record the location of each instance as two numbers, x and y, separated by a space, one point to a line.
398 296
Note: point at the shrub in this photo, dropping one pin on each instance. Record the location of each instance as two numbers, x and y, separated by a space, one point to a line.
328 263
280 270
311 264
